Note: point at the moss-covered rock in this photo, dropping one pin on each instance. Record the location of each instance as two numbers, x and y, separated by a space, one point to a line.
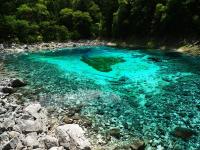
102 64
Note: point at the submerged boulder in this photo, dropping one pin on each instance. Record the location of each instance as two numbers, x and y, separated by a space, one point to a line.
184 133
7 90
115 132
154 59
17 83
138 145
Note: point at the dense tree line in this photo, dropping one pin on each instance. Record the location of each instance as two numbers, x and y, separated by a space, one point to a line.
50 20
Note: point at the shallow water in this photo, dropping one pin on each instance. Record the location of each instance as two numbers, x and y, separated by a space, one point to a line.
146 96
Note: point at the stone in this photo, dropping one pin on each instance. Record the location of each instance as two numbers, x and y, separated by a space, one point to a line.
115 132
1 47
4 137
12 144
154 59
138 145
72 136
67 120
8 123
17 83
2 110
50 142
63 137
57 148
31 140
13 134
184 133
33 109
31 125
7 90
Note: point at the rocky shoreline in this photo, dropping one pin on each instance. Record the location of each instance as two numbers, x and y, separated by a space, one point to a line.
48 46
29 125
191 49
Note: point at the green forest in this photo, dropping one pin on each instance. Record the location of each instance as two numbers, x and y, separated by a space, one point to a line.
29 21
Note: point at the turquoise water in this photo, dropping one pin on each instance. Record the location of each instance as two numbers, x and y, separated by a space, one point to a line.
146 96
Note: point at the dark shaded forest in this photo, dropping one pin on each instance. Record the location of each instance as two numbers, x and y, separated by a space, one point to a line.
31 21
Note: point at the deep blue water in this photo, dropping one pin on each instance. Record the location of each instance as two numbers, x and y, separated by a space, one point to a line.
146 96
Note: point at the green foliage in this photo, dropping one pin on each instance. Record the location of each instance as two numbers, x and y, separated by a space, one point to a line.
66 17
82 23
102 64
25 12
22 30
35 20
53 32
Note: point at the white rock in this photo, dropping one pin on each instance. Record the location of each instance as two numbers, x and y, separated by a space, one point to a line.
1 46
13 134
57 148
4 137
31 125
8 123
12 144
159 147
31 140
33 109
72 136
50 141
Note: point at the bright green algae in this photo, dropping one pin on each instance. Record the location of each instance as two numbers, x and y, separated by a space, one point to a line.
141 97
102 64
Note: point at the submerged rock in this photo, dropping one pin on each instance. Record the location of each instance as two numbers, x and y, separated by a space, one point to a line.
154 59
115 132
17 83
7 90
138 145
184 133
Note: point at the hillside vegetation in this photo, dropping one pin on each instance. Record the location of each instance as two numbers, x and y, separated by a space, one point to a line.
31 21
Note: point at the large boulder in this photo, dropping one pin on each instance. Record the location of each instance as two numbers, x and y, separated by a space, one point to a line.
184 133
71 136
